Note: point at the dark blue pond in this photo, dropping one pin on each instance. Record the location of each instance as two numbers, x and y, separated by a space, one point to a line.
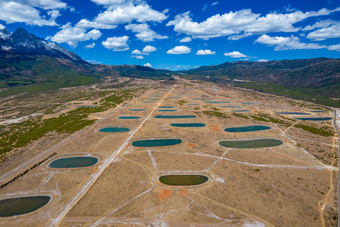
73 162
166 107
249 103
22 205
114 129
156 142
188 125
128 117
294 113
314 118
137 109
174 116
255 143
251 128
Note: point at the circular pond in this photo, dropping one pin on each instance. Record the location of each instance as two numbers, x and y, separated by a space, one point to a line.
156 142
166 107
73 162
183 180
137 109
128 117
238 111
114 129
22 205
255 143
251 128
314 118
174 116
294 113
188 125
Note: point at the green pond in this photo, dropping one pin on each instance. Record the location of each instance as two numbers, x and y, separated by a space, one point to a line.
249 103
137 109
314 118
238 111
22 205
174 116
128 117
294 113
189 125
231 106
114 129
73 162
216 102
251 128
255 143
167 110
156 142
166 107
183 180
318 111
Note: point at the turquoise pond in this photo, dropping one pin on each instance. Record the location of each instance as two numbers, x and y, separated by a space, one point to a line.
314 118
137 109
156 142
249 103
231 106
73 162
175 116
294 113
183 180
217 102
187 125
128 117
253 143
114 129
148 102
238 111
22 205
167 110
251 128
166 107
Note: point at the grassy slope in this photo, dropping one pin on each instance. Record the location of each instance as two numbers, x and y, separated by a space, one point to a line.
320 95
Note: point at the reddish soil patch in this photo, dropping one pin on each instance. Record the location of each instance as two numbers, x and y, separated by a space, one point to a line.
214 128
163 194
191 145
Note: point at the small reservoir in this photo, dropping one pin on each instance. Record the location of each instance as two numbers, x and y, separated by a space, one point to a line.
73 162
188 125
156 142
22 205
114 129
251 128
174 116
183 180
255 143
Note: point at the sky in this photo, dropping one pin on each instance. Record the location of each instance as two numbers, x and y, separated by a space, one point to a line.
181 34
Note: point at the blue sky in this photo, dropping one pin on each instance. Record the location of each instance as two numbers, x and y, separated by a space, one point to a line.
181 34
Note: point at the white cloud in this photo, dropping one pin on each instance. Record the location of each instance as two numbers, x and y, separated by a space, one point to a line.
91 45
148 65
332 31
334 47
205 52
137 52
319 24
186 39
179 50
144 33
84 23
262 60
2 27
235 54
124 14
287 43
109 2
242 23
73 35
116 43
44 4
138 56
149 49
12 12
214 3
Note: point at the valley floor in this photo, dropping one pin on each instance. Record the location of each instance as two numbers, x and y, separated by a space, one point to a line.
290 184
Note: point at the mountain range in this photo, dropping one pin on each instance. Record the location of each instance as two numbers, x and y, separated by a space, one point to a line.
29 63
